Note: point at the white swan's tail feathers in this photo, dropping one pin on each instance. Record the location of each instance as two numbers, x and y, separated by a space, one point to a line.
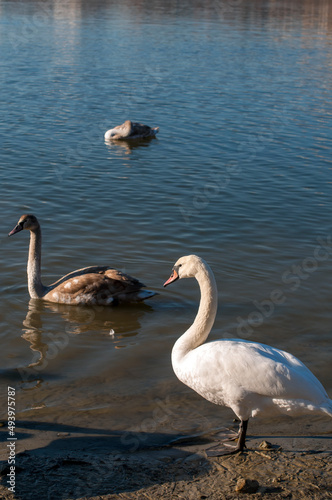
327 408
300 406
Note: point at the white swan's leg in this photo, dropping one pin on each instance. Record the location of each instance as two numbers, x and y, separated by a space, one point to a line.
241 444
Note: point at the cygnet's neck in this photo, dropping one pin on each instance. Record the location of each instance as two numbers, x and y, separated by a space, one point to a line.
36 288
202 325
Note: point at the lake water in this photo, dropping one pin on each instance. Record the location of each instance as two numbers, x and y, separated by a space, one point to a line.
240 174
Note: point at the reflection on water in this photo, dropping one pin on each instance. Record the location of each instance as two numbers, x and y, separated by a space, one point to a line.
307 13
240 174
118 323
32 333
127 147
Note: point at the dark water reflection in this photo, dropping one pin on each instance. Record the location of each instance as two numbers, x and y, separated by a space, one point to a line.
240 173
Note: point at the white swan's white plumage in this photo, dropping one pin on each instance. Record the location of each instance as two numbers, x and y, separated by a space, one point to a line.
131 130
246 376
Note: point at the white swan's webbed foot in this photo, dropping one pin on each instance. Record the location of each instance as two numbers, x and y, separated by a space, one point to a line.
222 449
225 448
226 435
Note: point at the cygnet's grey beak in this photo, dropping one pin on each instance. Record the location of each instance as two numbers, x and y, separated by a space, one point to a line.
16 229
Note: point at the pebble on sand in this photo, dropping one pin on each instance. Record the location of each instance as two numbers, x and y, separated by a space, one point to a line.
246 485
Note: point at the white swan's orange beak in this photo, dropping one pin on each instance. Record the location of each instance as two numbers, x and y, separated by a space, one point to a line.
173 277
16 229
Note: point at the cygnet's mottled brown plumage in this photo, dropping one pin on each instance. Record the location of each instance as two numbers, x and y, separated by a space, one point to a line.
96 285
131 130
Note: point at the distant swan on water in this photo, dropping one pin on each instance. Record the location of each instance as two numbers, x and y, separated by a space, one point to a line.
131 130
97 285
246 376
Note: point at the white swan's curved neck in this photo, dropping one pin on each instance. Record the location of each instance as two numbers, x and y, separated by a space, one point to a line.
36 288
202 325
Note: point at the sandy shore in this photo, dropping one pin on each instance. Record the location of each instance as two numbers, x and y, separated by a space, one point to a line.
53 463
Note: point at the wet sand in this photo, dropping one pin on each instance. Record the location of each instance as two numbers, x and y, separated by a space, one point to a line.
62 463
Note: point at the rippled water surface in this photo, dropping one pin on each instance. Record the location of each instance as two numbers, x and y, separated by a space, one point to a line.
240 173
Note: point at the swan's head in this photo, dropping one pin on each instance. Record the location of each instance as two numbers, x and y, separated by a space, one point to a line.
26 222
110 134
120 131
186 267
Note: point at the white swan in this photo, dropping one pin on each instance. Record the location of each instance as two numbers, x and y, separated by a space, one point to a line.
100 285
131 130
245 376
